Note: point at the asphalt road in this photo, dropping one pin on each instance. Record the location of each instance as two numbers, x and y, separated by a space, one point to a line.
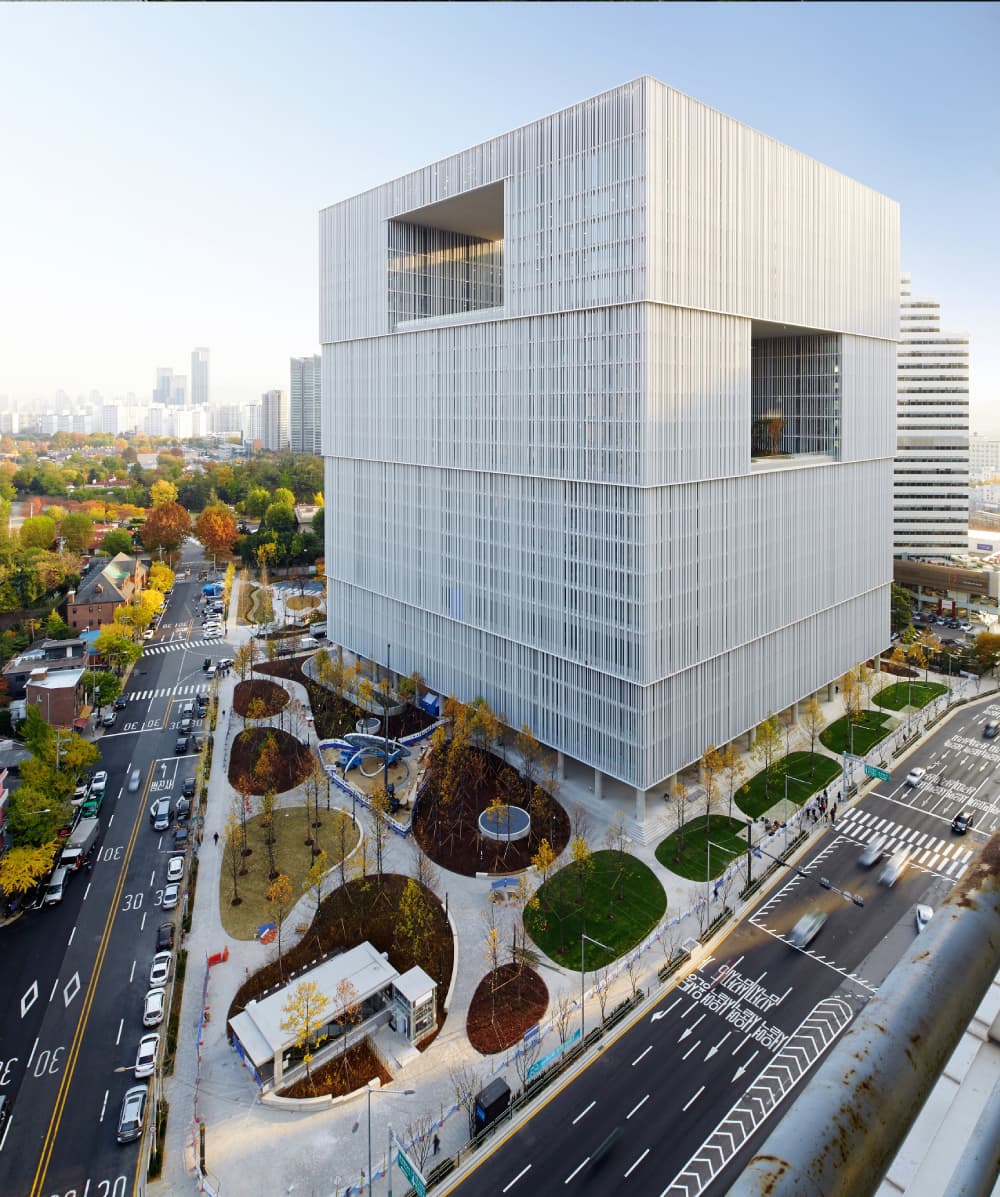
676 1104
75 975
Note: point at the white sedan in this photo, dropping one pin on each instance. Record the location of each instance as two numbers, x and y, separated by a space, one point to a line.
170 895
160 969
175 868
99 782
915 776
145 1058
153 1007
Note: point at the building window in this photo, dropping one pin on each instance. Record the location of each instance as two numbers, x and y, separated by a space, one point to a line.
795 396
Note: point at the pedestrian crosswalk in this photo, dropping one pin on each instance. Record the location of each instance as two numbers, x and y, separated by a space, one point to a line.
946 857
171 646
165 692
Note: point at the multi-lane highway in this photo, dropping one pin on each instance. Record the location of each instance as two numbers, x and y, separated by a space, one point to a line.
74 975
675 1105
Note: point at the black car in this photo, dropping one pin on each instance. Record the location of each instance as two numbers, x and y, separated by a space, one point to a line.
991 729
207 663
181 837
164 937
188 790
962 823
120 704
182 809
181 745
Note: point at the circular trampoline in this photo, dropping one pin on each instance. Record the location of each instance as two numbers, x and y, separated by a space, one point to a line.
510 823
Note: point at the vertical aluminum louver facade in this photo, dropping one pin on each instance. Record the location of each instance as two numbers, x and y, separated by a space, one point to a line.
931 481
609 424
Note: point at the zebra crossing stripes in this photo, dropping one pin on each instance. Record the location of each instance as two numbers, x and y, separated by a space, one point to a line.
172 646
947 857
166 692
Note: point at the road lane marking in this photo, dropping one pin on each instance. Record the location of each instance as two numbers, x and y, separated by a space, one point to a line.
32 1056
131 976
635 1109
695 1098
119 1036
637 1163
642 1055
583 1112
69 942
104 1105
696 1044
516 1179
577 1169
142 925
86 891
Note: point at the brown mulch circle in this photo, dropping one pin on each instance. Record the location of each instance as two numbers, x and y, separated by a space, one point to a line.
273 696
497 1020
341 1074
453 840
294 760
363 909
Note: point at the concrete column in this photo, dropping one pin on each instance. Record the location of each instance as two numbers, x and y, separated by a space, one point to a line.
795 712
829 692
670 781
640 805
598 784
560 766
750 735
878 662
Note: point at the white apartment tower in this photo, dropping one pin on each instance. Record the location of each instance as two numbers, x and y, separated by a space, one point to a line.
199 376
274 420
609 416
931 479
305 396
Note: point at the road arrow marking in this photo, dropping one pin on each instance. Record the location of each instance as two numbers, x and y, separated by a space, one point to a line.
713 1050
743 1067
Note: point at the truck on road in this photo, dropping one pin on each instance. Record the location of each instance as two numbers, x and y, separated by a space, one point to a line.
79 844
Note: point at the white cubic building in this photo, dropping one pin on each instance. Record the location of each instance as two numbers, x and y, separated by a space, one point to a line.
931 481
609 420
305 396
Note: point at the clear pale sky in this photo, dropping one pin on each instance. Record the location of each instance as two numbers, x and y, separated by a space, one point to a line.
162 165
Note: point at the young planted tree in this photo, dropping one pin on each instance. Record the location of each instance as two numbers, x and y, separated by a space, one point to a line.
466 1082
602 990
917 657
279 895
491 949
305 1013
270 831
931 645
379 825
679 798
616 839
234 855
419 1133
243 659
562 1014
766 744
346 1012
583 871
414 930
711 768
256 712
543 862
316 876
813 722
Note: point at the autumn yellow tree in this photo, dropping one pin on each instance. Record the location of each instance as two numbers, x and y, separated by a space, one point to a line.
162 492
346 1012
279 894
813 721
160 577
21 868
306 1013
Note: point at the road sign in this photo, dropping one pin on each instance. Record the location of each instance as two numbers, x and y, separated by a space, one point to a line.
411 1172
881 774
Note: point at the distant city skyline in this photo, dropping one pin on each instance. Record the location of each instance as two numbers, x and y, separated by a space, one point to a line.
107 277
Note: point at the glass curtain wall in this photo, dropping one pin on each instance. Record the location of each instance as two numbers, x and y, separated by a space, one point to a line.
795 396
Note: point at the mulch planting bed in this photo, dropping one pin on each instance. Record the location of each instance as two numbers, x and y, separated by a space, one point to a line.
506 1003
292 763
449 832
273 696
341 1074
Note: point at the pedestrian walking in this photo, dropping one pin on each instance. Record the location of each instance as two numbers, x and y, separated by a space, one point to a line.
216 838
437 1145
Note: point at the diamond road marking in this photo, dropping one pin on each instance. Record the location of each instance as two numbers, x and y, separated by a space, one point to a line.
71 988
29 998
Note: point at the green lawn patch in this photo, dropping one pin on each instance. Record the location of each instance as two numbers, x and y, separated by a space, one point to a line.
807 774
556 920
696 860
869 728
291 857
904 694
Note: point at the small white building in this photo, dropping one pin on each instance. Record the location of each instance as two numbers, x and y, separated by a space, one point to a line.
406 1002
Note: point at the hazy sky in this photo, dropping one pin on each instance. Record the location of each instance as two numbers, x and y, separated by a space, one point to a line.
162 165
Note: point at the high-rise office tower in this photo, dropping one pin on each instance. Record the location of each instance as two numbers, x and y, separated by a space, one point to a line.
931 479
305 395
199 376
274 420
171 388
610 406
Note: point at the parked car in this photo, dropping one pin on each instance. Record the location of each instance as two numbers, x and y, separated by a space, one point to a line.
207 663
160 968
961 823
108 719
182 809
148 634
213 633
186 726
153 1007
164 937
175 868
133 1114
954 623
79 794
915 776
181 745
225 663
188 790
99 782
120 703
159 814
181 837
966 627
806 929
145 1057
170 895
212 671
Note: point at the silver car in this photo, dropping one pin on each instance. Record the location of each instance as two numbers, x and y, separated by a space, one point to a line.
145 1057
153 1007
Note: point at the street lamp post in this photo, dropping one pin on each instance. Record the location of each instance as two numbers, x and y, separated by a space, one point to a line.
788 778
381 1093
597 943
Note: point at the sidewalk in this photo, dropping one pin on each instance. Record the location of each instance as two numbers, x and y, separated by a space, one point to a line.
323 1151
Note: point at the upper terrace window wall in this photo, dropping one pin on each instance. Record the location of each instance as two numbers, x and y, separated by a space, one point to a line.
795 397
447 257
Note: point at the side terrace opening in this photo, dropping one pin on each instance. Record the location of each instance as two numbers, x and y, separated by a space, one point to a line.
794 394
